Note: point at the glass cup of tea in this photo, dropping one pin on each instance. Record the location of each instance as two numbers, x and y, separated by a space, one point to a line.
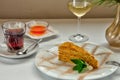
14 35
37 27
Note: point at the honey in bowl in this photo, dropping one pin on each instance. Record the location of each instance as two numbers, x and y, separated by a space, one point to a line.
38 30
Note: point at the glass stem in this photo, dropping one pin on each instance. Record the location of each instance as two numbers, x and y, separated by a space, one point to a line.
78 25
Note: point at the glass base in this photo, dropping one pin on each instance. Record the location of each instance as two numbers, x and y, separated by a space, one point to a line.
78 38
114 48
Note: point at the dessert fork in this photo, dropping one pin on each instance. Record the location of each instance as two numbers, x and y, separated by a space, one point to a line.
115 63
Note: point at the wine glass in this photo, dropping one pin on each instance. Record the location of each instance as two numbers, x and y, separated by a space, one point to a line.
79 8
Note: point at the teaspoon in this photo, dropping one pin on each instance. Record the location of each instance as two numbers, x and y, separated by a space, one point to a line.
32 45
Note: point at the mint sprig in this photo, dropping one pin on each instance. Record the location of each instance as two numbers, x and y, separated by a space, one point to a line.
80 65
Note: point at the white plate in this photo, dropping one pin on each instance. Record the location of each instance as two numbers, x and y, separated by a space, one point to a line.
50 32
47 62
5 53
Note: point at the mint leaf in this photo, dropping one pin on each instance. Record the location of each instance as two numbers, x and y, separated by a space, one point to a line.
76 61
76 68
80 65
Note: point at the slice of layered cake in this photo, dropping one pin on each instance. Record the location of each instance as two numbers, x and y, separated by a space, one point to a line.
69 50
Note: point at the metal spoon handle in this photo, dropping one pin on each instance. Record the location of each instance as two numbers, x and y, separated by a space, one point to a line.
34 44
113 63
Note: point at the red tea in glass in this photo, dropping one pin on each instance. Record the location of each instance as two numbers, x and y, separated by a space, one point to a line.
14 32
14 38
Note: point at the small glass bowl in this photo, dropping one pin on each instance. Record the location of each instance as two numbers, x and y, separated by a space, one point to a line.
37 27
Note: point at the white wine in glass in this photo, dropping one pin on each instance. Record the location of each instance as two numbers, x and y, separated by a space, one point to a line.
79 8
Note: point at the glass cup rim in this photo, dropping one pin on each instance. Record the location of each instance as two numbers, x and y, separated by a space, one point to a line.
5 24
31 23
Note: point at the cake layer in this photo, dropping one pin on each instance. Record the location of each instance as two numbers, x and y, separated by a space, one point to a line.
68 51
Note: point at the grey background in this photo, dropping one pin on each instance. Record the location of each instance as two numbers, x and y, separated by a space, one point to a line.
47 9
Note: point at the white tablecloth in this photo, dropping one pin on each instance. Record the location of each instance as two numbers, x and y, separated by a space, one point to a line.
24 69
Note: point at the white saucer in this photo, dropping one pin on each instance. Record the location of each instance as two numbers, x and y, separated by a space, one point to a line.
50 32
5 53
